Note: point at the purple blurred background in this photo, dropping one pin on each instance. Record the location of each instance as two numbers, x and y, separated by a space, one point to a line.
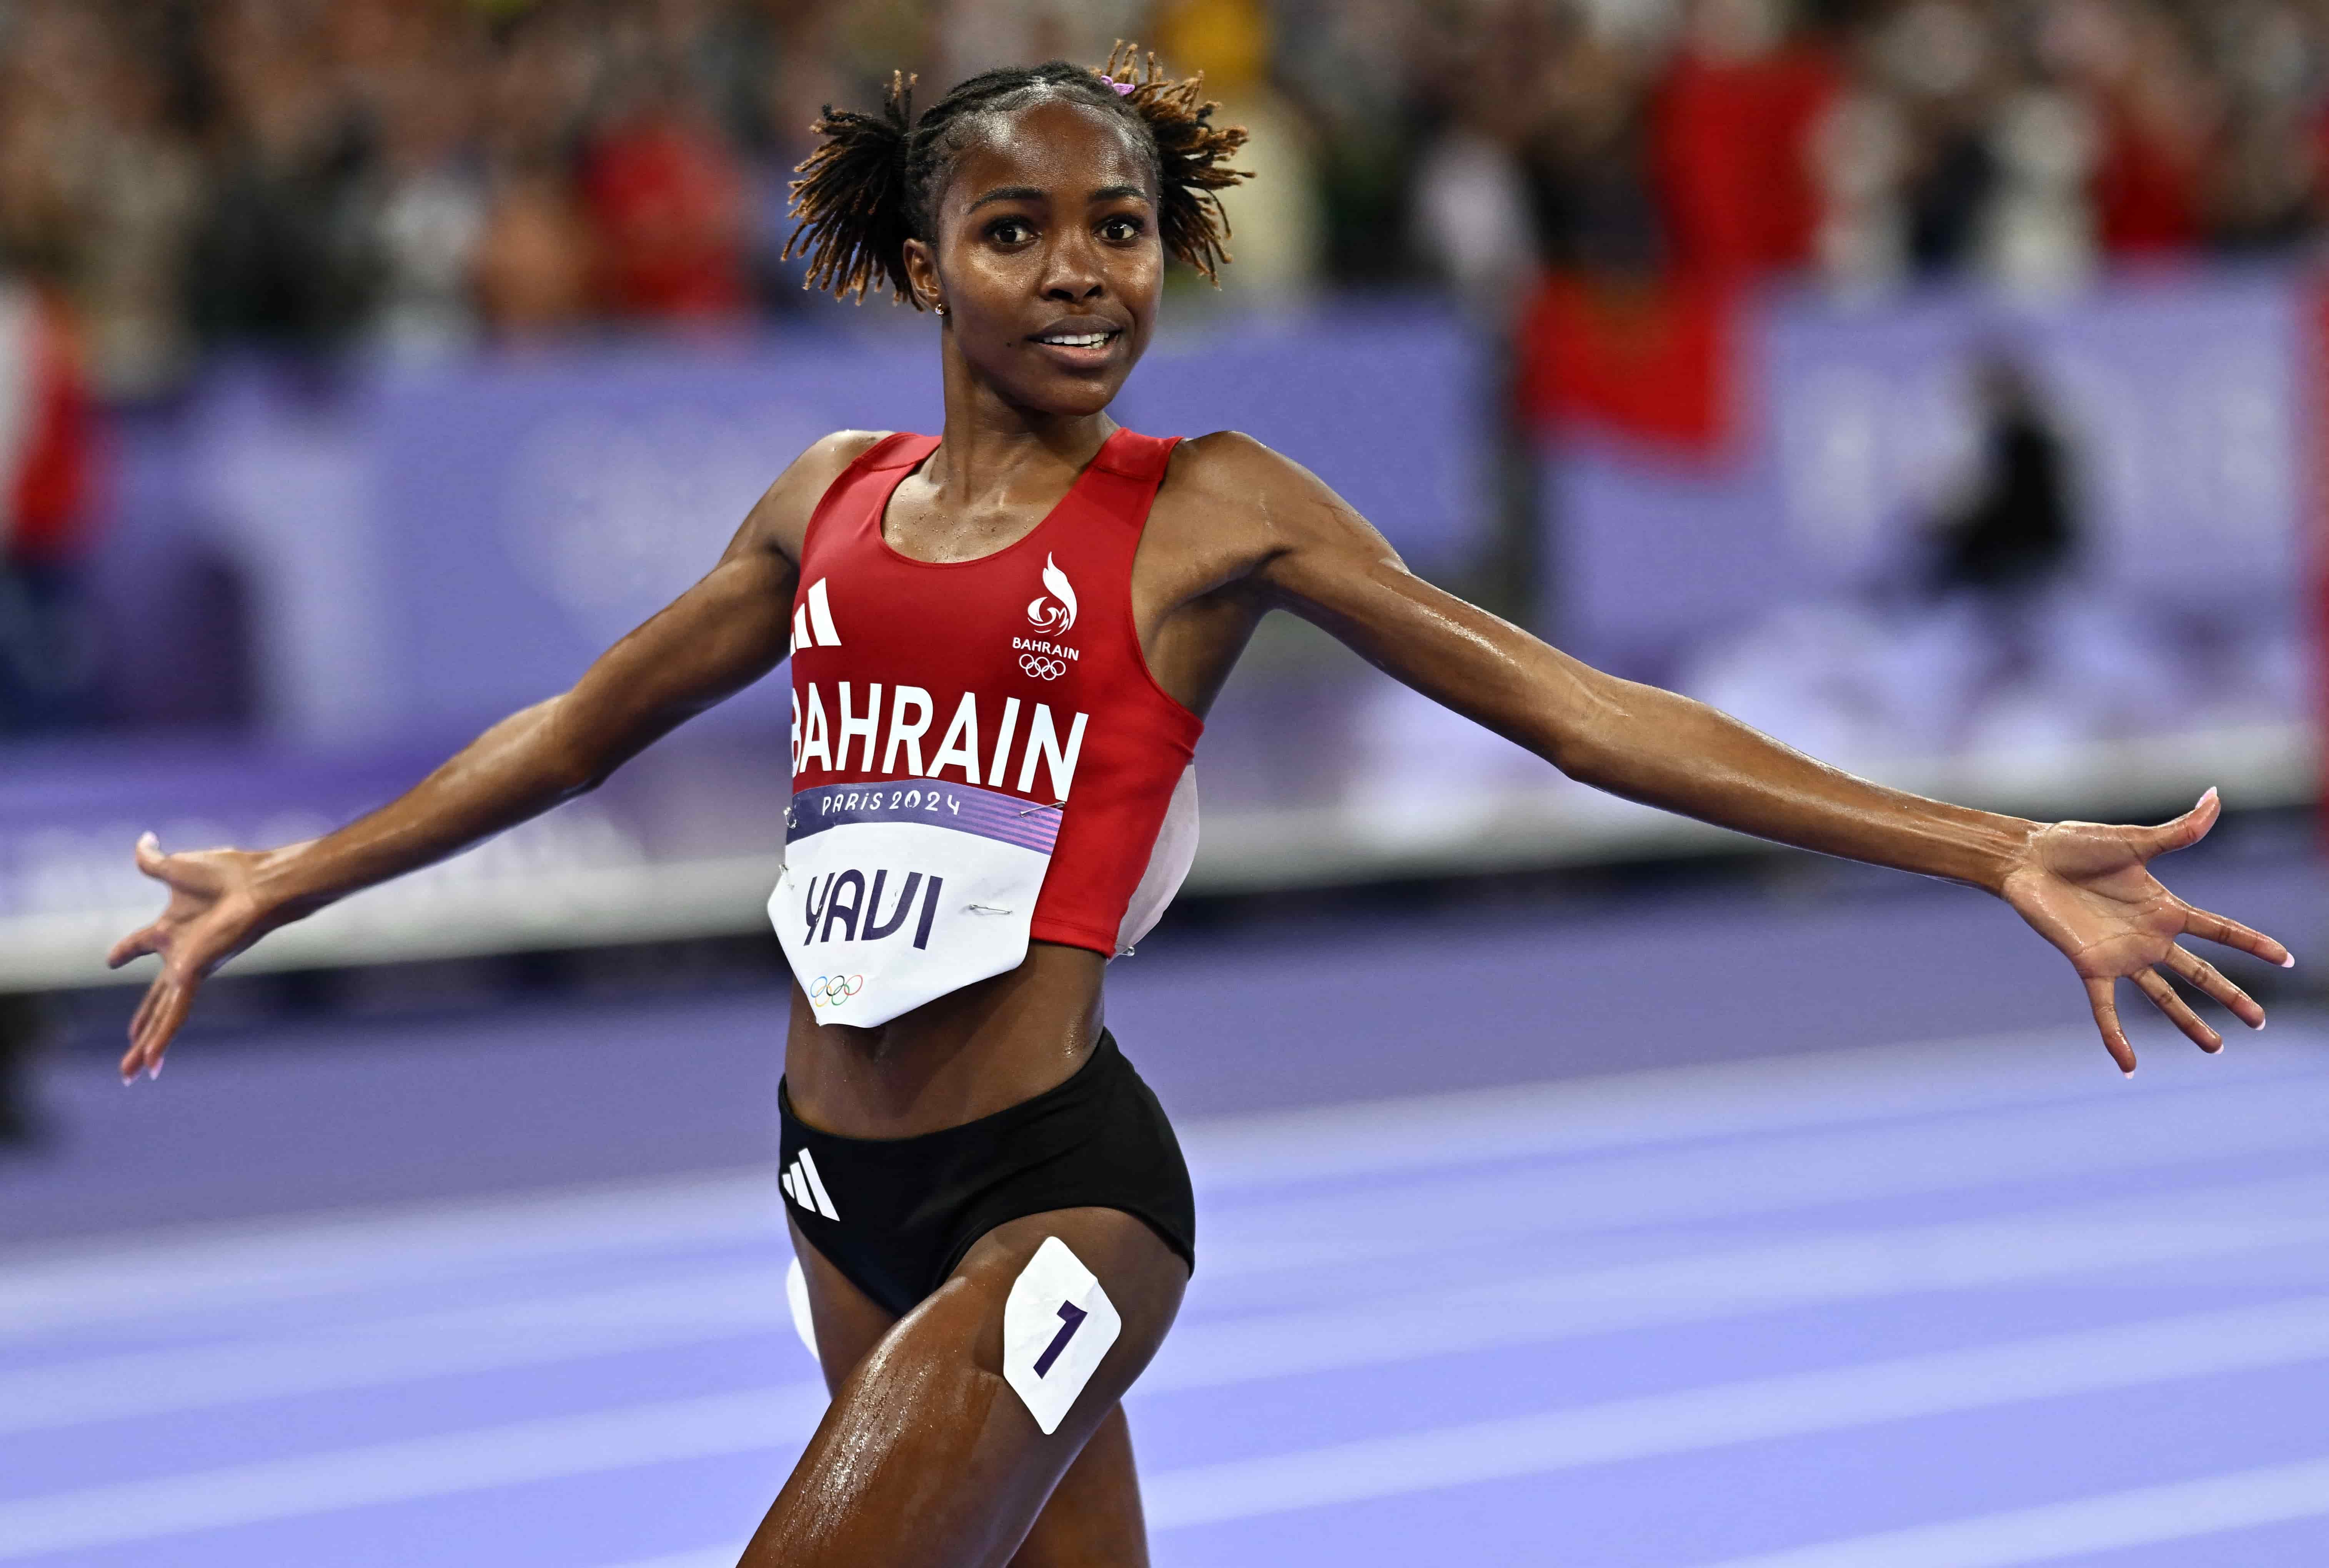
419 551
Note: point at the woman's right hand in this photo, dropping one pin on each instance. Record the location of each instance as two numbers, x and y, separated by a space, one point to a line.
215 912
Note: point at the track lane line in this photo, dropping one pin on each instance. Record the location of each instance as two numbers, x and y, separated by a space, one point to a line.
1764 1095
1812 1170
2112 1521
1550 1307
1905 1388
479 1459
2048 1366
664 1314
1542 1306
222 1267
44 1289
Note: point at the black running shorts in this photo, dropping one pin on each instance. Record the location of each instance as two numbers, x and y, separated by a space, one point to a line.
896 1214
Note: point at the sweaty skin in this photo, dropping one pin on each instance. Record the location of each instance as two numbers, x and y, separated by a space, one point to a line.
1049 223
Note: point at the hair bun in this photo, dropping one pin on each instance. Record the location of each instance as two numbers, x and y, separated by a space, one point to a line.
854 196
1192 154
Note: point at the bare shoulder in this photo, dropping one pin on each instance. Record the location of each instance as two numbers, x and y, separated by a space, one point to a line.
1236 487
1230 485
780 519
1229 466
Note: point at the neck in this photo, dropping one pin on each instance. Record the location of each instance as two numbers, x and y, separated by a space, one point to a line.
991 446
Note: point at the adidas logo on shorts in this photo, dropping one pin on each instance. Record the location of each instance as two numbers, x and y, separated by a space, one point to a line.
805 1187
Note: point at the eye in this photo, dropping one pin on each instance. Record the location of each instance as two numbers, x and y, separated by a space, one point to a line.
1010 231
1122 229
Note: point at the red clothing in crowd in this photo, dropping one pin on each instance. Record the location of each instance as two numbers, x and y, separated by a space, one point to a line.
45 432
2145 191
1654 362
1731 155
666 205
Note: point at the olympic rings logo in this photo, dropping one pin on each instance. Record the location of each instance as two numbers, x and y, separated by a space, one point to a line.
831 990
1042 669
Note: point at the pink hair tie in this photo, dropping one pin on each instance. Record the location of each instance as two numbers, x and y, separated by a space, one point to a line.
1123 88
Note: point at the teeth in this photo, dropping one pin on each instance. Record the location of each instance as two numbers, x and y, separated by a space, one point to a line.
1090 340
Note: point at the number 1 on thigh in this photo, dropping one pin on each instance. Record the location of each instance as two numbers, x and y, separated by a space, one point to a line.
1071 1318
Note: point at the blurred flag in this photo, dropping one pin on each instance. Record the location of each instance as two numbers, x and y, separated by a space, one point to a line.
1653 359
44 430
1648 359
1731 149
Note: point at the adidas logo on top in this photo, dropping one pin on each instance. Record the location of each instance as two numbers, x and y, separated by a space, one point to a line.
805 1187
813 621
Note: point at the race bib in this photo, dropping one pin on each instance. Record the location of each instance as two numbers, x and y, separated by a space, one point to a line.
894 893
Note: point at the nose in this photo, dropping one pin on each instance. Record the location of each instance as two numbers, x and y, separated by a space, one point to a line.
1072 273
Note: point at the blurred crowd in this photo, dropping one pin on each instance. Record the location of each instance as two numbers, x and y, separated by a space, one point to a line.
1874 142
186 180
415 176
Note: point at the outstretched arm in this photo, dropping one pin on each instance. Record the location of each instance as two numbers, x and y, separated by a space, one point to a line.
719 637
2084 886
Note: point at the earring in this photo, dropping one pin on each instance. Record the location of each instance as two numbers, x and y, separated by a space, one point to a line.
940 308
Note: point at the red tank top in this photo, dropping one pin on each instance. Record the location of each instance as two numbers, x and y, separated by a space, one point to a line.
1005 698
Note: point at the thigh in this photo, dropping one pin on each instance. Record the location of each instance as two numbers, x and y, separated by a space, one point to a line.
1093 1515
926 1458
848 1322
1093 1519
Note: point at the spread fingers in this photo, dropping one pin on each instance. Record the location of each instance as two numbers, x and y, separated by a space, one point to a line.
2153 985
158 1016
2205 977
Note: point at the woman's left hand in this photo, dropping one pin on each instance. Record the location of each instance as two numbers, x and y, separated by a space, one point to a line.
2088 888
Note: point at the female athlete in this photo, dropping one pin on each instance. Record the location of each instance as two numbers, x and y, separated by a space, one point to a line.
1003 641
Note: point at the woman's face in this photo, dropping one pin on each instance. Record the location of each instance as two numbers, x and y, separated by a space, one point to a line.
1047 257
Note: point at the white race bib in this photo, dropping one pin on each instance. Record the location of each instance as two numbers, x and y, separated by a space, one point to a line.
895 892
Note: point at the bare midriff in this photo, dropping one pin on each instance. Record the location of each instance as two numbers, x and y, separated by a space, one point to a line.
968 1053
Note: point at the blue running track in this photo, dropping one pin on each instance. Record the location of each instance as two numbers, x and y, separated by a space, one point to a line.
1894 1307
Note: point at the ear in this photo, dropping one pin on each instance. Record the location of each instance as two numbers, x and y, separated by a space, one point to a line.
922 273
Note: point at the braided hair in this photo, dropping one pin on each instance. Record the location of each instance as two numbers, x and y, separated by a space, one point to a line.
871 186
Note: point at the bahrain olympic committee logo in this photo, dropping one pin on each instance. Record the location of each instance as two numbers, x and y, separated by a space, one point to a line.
1045 615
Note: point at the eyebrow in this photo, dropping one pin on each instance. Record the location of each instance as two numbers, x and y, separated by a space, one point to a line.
1007 193
1031 194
